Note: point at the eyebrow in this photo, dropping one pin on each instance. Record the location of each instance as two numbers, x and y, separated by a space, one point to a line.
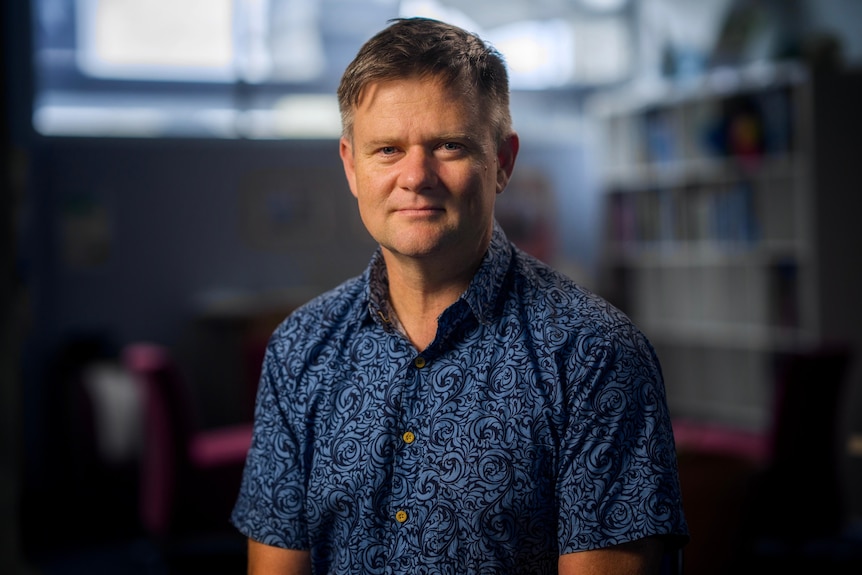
446 137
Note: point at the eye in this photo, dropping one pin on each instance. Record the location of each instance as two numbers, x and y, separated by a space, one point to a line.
388 150
452 146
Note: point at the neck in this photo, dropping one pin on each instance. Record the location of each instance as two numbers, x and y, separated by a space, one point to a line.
419 291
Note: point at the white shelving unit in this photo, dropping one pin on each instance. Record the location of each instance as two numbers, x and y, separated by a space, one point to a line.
721 198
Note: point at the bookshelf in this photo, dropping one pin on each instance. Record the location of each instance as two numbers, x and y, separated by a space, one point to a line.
729 210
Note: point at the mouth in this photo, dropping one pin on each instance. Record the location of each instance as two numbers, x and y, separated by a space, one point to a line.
419 211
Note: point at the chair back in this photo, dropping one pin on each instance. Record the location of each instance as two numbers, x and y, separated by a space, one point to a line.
168 425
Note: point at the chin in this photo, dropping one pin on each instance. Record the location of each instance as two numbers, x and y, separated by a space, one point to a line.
417 241
414 251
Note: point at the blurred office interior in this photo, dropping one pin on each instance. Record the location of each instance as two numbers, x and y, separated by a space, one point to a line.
172 189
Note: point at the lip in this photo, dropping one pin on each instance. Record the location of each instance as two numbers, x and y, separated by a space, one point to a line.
419 210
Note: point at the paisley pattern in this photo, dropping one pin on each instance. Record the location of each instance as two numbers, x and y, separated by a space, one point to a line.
535 424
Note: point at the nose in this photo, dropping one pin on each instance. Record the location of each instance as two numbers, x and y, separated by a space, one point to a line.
418 170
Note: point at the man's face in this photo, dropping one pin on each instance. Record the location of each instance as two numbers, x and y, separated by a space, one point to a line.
425 168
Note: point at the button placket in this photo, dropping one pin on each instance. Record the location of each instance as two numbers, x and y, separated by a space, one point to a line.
405 460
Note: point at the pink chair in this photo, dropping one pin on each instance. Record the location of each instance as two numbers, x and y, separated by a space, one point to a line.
189 477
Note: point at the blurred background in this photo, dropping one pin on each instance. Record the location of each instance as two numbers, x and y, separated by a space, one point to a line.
172 189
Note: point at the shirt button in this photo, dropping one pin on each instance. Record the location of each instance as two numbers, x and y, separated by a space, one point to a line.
419 362
400 516
408 437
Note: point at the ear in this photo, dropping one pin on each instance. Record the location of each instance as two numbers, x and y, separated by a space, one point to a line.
345 149
507 152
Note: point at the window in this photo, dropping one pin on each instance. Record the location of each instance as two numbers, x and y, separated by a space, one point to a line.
262 68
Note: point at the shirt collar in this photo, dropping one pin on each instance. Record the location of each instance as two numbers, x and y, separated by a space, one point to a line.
481 295
377 290
484 291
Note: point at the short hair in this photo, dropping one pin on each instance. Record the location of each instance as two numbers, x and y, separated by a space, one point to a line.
423 47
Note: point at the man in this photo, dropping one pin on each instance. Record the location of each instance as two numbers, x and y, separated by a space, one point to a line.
459 407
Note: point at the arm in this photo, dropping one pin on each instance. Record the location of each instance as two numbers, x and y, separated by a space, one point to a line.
641 557
268 560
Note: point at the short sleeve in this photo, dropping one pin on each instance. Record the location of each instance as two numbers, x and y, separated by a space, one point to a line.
270 507
618 478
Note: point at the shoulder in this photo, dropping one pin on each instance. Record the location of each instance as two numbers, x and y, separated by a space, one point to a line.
558 301
300 351
322 318
583 332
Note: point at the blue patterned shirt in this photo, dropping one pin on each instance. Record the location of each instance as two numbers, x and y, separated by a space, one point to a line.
534 424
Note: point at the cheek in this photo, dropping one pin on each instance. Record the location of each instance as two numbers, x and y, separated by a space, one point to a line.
371 196
473 180
364 185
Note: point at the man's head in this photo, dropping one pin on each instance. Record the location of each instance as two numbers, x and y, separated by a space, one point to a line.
420 47
427 142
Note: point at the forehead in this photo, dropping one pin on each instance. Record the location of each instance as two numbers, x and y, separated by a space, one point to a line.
417 100
418 84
